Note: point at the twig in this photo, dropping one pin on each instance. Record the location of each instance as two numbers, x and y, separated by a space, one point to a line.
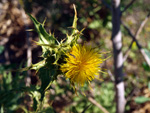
134 90
142 25
97 104
131 94
127 6
94 102
111 76
134 39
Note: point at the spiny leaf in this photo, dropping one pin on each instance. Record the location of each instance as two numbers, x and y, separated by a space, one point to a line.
47 75
45 38
75 18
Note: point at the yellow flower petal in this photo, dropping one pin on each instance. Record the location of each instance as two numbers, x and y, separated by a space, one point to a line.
82 64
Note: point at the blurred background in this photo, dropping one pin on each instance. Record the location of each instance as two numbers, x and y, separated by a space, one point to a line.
17 50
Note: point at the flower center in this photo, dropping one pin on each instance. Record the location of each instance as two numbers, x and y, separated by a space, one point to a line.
81 65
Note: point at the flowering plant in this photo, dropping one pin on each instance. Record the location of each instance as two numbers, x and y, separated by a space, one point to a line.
78 63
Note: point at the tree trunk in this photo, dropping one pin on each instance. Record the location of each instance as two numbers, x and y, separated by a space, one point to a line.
118 56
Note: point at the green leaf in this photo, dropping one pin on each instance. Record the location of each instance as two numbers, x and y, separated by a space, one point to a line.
1 49
86 108
35 104
149 85
146 66
48 110
7 79
47 75
141 99
95 24
45 38
74 110
37 66
147 52
148 44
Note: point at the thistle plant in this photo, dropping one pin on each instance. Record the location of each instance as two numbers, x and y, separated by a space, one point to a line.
77 63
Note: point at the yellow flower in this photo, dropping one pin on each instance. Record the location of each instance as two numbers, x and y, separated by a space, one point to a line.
82 64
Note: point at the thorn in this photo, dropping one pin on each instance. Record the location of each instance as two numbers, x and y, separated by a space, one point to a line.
75 9
30 30
44 21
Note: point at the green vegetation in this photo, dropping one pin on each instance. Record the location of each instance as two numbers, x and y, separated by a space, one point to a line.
95 17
